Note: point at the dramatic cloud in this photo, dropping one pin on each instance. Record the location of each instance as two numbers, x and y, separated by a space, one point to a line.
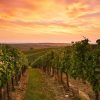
49 20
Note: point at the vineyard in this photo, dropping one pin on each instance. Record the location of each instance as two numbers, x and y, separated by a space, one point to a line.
13 64
80 61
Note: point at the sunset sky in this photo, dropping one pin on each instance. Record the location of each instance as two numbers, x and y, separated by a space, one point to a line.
49 20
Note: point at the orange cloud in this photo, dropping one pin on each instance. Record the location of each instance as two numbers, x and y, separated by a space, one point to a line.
49 18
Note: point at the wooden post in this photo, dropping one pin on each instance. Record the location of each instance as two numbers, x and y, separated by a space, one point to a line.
97 96
1 94
67 80
8 95
61 76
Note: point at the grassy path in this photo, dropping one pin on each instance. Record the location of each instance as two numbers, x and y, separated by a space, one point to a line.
37 89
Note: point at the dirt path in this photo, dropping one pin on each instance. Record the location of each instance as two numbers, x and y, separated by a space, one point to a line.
81 93
84 95
37 88
41 83
20 89
56 88
60 92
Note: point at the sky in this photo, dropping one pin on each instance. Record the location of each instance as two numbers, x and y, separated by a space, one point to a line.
49 20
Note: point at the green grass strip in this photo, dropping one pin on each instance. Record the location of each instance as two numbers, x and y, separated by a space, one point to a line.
37 89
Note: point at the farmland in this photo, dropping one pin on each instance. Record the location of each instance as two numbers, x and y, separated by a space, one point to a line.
75 69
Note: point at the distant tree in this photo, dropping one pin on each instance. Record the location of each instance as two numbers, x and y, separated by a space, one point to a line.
98 41
72 42
85 41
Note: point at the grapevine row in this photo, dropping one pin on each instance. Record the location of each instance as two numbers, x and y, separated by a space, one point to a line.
13 64
81 61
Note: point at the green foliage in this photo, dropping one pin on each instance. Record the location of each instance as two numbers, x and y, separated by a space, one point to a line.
93 68
81 60
98 41
11 62
78 64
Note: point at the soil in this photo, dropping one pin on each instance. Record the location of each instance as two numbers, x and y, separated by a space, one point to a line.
84 88
20 89
58 89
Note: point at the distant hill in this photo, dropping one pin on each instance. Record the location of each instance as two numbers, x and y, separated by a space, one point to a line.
27 46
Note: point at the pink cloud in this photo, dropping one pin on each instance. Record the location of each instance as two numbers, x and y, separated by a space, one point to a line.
53 20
